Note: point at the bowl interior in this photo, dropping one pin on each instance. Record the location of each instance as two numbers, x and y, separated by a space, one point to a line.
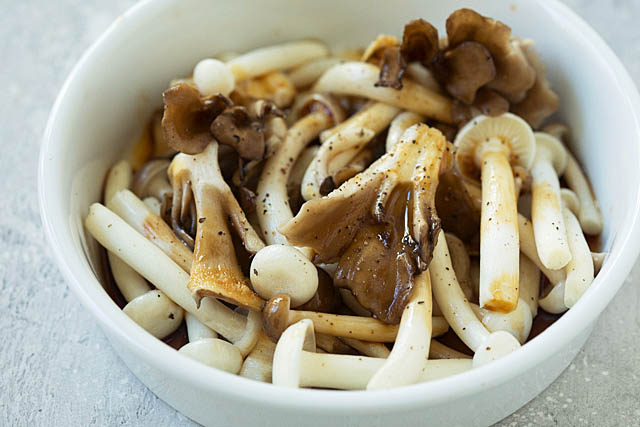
117 85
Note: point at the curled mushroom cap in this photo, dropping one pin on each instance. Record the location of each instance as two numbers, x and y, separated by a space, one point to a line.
155 312
489 145
277 269
361 224
514 76
187 117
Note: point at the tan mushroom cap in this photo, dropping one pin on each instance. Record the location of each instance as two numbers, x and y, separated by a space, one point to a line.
555 147
510 129
465 69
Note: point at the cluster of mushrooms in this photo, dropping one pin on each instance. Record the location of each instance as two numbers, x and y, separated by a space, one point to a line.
305 214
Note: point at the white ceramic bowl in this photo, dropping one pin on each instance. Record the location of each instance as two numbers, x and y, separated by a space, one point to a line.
119 81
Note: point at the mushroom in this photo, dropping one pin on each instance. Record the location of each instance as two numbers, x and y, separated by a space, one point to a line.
151 309
456 309
353 136
598 260
580 270
517 322
294 185
541 101
361 224
153 204
590 216
296 364
546 210
529 284
215 271
353 304
274 87
306 74
358 78
372 349
553 301
461 264
487 102
514 75
214 352
459 213
423 76
326 299
136 213
277 269
334 345
258 364
399 124
318 113
438 350
196 330
277 316
408 359
487 146
212 76
464 69
153 264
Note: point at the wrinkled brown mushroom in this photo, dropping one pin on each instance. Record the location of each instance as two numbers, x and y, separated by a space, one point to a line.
215 271
187 117
455 207
381 224
541 101
465 69
514 76
487 102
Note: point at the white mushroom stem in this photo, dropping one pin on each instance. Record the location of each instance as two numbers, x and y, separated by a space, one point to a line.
359 78
151 262
408 359
461 263
458 312
196 330
155 313
272 199
130 283
259 363
371 349
546 208
589 215
296 364
273 58
153 204
402 122
251 332
136 213
580 270
528 247
553 302
529 283
598 260
368 117
421 75
306 74
517 322
214 352
300 168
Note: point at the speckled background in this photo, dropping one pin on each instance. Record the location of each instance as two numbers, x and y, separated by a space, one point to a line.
56 366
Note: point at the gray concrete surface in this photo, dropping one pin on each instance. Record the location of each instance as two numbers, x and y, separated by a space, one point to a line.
57 368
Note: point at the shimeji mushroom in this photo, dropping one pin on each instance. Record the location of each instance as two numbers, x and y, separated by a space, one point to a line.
399 124
408 359
318 112
153 264
580 270
152 180
372 349
151 309
486 148
277 316
306 74
213 76
528 247
546 208
438 350
456 309
215 271
258 364
553 301
346 141
461 263
359 79
598 260
517 322
296 364
277 269
365 225
529 284
590 216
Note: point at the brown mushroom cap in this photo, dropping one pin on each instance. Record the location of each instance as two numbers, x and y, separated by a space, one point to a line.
487 102
465 69
275 316
455 206
514 76
419 42
187 117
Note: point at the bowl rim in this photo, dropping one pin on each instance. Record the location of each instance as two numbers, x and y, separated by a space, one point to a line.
161 356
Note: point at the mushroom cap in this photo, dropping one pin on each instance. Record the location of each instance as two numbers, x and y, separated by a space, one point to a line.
155 313
514 132
377 46
275 316
212 76
570 200
282 269
297 338
547 142
214 352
